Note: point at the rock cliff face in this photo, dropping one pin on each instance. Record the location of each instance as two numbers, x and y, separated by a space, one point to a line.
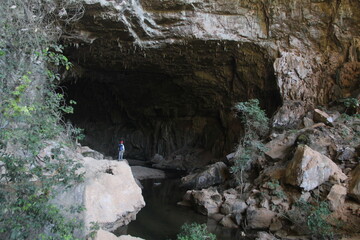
165 74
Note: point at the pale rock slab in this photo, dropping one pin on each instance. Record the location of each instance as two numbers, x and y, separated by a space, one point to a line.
308 169
105 235
128 237
109 194
321 116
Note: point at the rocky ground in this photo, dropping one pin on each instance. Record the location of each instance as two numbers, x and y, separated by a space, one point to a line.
307 185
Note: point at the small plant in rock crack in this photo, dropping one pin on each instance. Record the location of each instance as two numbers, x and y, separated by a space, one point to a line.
255 126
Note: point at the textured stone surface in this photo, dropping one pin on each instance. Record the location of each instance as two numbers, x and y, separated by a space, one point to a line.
279 147
321 116
104 235
336 196
354 186
206 201
109 194
298 31
309 169
265 236
88 152
233 206
289 115
213 174
154 70
228 222
128 237
259 218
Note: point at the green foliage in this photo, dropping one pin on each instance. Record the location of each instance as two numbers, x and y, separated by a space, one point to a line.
195 231
316 216
253 117
30 118
351 104
93 229
274 185
256 126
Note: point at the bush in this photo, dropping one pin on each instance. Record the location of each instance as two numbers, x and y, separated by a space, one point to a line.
195 231
315 217
30 116
255 126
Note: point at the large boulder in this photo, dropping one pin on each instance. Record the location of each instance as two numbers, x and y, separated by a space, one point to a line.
309 169
233 206
280 146
109 194
212 175
336 196
206 201
259 218
354 186
289 115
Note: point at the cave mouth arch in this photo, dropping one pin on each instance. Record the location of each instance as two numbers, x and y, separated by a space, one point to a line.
175 100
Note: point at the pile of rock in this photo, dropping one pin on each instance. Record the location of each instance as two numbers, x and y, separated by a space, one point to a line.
232 208
319 162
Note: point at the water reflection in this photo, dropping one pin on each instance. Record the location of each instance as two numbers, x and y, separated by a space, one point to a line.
162 218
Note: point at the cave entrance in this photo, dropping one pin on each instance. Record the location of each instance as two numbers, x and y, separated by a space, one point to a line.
175 100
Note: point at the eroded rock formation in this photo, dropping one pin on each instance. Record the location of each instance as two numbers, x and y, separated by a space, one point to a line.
164 75
151 71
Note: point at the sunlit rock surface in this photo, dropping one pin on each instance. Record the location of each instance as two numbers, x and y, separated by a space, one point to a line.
308 169
109 194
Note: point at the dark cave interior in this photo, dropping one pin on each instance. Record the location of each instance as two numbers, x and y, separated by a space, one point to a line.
166 100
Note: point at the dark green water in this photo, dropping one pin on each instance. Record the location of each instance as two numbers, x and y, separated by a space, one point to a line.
162 218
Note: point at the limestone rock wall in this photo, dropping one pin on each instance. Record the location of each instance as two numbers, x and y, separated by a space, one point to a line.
189 59
308 40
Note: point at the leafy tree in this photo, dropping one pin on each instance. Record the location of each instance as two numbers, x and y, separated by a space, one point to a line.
255 126
30 117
